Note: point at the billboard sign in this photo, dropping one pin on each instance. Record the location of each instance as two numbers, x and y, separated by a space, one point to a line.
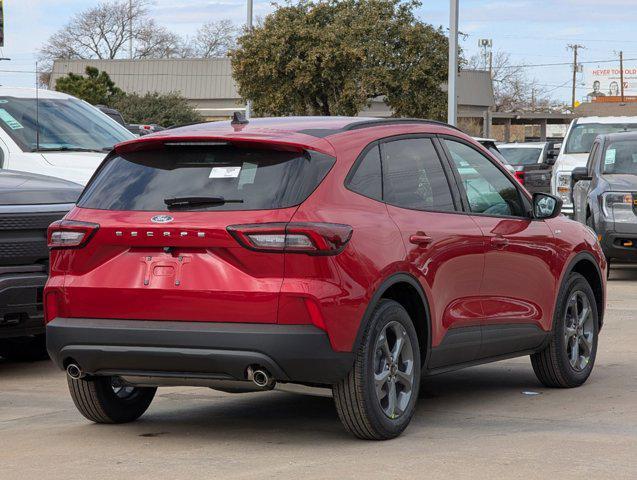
604 82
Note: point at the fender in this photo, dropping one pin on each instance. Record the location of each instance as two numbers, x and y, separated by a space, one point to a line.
569 268
400 277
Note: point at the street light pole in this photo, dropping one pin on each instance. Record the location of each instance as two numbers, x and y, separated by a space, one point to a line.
452 98
248 28
130 29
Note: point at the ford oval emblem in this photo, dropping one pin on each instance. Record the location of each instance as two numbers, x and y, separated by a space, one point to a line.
161 219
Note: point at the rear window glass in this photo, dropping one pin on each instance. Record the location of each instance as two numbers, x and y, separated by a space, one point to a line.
230 178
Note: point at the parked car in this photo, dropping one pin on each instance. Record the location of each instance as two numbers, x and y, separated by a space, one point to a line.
51 133
351 253
491 145
135 128
575 149
532 162
606 194
28 204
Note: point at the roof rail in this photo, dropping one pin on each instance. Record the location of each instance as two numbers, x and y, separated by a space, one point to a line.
391 121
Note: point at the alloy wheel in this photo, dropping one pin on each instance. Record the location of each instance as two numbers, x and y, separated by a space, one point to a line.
579 330
120 389
393 369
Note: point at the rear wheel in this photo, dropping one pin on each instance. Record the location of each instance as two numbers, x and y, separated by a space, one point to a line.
108 400
378 397
568 359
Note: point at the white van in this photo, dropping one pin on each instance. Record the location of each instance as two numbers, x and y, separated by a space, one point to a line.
56 134
575 149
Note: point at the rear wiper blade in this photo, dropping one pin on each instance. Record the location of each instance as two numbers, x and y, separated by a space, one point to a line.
72 149
190 201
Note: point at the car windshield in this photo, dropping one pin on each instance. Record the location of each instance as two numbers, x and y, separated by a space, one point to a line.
621 158
58 124
521 156
582 136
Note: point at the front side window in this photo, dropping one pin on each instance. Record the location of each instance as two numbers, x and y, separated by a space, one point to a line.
58 124
413 176
489 191
620 158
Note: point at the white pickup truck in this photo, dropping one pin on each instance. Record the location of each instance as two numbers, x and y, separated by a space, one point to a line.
54 134
575 150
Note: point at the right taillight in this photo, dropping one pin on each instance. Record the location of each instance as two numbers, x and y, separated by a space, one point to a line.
519 174
308 238
70 234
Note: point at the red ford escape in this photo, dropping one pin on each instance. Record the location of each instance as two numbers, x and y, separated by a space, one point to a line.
350 253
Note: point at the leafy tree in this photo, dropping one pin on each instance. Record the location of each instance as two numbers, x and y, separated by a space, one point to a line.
166 110
96 87
331 57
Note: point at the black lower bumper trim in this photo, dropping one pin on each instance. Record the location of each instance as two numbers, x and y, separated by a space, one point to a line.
297 353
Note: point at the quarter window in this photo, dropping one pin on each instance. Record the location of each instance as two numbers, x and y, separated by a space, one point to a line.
489 191
413 176
367 179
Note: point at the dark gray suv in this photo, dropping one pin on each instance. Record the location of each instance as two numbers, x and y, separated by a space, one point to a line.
605 194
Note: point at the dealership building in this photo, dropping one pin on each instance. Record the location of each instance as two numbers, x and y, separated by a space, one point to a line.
208 85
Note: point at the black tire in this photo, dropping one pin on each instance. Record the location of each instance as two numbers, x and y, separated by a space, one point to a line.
97 400
552 365
356 400
24 349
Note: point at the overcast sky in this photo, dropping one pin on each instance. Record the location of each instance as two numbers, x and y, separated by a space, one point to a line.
532 31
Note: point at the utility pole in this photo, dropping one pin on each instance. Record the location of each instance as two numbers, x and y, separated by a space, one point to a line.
130 29
621 74
248 28
452 98
575 69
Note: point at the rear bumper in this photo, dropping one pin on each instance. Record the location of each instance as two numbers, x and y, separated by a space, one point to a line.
293 353
21 300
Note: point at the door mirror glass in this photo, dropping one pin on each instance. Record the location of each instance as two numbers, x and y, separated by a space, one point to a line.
546 206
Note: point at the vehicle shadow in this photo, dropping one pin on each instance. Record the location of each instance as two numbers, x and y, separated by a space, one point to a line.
624 272
285 418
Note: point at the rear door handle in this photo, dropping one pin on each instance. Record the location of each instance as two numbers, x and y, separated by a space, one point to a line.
420 238
499 242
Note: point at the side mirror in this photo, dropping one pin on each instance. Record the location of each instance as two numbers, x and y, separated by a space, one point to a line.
580 173
546 206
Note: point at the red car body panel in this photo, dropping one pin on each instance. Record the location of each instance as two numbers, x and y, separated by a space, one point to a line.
475 270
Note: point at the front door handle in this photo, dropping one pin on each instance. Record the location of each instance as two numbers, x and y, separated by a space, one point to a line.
499 242
420 238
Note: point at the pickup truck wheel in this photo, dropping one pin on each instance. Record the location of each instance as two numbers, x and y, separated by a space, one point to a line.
378 397
24 348
567 361
108 400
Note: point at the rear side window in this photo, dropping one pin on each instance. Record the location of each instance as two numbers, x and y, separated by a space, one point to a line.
413 176
206 179
367 179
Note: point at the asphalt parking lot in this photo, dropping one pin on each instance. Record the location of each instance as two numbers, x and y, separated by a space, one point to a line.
476 423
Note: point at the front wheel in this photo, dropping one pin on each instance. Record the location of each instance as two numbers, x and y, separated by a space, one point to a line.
568 359
108 400
378 397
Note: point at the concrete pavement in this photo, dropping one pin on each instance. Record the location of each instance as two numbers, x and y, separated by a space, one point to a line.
477 423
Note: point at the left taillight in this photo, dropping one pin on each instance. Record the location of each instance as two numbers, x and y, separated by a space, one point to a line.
70 233
519 175
308 238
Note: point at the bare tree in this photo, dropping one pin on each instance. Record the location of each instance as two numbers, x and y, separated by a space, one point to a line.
215 39
512 88
104 32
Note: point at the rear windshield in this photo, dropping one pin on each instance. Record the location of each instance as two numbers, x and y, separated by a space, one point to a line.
521 156
230 178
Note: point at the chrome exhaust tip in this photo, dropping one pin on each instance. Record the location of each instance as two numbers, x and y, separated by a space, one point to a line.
261 377
74 371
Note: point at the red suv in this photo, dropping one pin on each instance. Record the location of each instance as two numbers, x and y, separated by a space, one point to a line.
351 253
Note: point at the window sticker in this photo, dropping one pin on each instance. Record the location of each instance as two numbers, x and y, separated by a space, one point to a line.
11 122
610 156
225 172
248 173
